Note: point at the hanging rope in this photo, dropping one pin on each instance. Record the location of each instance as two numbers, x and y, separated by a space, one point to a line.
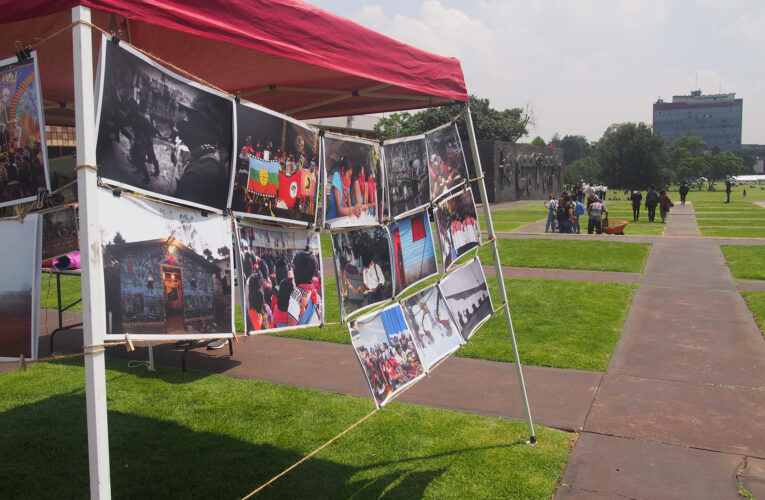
501 306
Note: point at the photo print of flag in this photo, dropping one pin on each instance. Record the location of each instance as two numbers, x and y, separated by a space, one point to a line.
277 167
387 353
467 296
406 175
160 133
446 160
23 151
414 254
457 226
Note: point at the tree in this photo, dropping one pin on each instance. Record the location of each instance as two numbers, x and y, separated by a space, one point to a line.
585 168
632 156
575 147
397 125
723 165
692 143
538 141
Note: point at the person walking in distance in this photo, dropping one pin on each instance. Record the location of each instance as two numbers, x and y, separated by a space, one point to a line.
664 205
595 210
728 185
551 204
651 200
636 197
683 191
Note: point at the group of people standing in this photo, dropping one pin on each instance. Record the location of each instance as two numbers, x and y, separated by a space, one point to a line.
652 200
564 212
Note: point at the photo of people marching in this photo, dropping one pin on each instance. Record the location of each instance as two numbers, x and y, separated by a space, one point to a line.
457 224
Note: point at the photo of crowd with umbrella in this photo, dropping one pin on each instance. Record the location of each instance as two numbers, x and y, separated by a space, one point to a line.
23 157
281 276
277 167
167 270
161 134
467 296
457 226
414 254
354 182
406 175
446 160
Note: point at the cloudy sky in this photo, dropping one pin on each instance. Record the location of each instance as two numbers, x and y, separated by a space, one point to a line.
584 65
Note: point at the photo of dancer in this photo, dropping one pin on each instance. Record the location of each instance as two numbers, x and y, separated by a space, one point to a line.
414 255
362 268
467 296
23 161
161 134
389 357
354 184
277 168
446 160
433 328
406 174
281 278
457 226
60 232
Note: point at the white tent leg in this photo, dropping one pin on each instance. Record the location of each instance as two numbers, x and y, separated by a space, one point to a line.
498 267
92 285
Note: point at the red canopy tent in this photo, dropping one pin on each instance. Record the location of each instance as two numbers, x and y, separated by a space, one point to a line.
286 55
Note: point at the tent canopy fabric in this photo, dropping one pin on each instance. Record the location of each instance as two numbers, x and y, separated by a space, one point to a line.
285 55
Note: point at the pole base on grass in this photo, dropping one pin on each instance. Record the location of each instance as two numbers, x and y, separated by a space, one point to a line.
532 440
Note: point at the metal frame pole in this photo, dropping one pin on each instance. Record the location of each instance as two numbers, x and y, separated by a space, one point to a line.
92 286
498 267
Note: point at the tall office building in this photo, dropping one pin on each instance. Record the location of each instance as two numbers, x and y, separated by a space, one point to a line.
715 118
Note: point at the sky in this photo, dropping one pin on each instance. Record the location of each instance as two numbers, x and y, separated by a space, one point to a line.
582 66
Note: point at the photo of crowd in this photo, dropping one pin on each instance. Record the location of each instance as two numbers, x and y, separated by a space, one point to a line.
432 325
414 255
23 162
161 134
446 160
406 173
277 167
467 296
362 268
354 184
457 225
60 232
386 351
281 278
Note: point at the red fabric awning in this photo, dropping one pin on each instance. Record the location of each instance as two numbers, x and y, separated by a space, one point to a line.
286 55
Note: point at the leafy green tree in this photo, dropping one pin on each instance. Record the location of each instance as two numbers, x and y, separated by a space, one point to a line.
586 168
575 147
397 125
725 164
692 143
632 156
538 141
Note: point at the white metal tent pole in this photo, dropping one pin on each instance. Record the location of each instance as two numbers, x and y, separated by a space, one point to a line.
93 319
498 266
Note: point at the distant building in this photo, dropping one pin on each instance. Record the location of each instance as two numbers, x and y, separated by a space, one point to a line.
715 118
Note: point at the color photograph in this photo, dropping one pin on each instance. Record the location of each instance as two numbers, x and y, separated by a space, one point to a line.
389 358
362 268
60 232
167 270
161 134
446 160
457 226
23 156
467 296
281 276
432 326
414 255
20 287
353 191
277 167
406 173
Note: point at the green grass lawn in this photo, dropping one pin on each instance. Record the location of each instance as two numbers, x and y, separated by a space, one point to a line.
570 254
736 193
70 291
730 223
733 232
745 262
503 226
194 435
756 302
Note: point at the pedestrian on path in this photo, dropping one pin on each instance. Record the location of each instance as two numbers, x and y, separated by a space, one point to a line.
651 200
551 204
728 185
636 197
565 214
595 209
683 192
664 205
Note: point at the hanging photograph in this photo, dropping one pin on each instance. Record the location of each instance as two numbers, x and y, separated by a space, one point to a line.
467 296
281 278
60 234
160 133
277 167
446 160
20 287
414 255
23 155
386 351
167 270
406 173
362 268
432 326
353 178
457 226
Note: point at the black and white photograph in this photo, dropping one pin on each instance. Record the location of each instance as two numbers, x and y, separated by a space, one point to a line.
432 326
457 226
23 155
446 160
167 270
389 357
362 268
406 174
414 254
20 287
353 182
467 296
281 276
160 133
60 232
277 167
